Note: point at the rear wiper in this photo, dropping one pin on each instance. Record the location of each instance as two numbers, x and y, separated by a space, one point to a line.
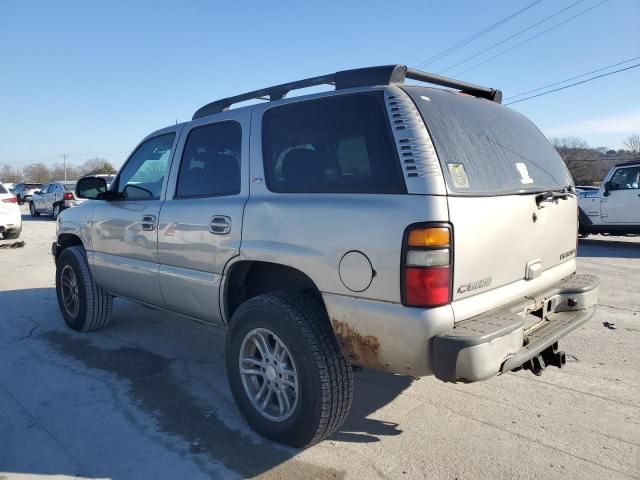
551 195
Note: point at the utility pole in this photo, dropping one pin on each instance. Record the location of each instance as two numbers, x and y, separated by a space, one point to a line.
64 162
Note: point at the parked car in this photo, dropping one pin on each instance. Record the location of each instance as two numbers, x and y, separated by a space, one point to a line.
10 218
614 208
335 229
24 191
53 199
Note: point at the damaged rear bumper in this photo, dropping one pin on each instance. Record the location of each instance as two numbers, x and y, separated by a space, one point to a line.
505 339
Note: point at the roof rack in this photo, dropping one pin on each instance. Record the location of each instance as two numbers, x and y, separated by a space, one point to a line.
626 164
359 77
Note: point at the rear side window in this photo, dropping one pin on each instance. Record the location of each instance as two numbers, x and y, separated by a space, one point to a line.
210 163
485 148
339 144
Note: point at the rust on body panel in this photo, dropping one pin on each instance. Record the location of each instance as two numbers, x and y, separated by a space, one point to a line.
359 349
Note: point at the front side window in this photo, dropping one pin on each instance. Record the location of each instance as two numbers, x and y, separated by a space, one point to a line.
626 179
339 144
143 175
210 164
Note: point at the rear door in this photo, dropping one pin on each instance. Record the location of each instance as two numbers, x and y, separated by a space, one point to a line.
496 164
201 221
39 199
622 205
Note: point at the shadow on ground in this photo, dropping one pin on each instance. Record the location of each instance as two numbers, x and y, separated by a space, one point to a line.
155 386
605 248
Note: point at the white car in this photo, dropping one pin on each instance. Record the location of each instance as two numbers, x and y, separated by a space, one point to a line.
10 218
614 208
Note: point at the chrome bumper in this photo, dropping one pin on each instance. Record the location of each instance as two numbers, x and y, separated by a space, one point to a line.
506 338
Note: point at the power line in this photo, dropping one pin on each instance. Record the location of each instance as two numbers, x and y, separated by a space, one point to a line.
531 38
107 153
572 78
512 36
464 42
574 84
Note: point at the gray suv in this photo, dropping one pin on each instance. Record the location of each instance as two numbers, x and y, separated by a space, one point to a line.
404 228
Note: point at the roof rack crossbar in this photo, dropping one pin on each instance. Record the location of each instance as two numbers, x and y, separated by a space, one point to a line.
359 77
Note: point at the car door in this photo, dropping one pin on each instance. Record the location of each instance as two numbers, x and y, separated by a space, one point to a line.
39 198
201 219
622 205
50 197
124 230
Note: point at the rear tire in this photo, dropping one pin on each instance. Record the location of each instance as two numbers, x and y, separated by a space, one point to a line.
324 379
56 211
12 234
32 210
84 305
19 199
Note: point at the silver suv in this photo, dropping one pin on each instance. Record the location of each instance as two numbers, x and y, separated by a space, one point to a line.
413 230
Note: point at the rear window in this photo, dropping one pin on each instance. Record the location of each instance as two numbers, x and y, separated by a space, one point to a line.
29 186
69 187
2 189
485 148
338 144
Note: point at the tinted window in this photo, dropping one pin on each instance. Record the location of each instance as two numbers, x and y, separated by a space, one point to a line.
339 144
2 189
141 178
485 148
626 179
210 163
70 187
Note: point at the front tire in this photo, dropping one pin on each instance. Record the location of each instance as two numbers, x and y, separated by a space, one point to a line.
285 346
84 305
32 210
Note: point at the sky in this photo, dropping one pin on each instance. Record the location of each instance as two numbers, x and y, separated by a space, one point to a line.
93 78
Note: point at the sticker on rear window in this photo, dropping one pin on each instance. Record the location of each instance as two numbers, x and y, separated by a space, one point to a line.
458 175
524 173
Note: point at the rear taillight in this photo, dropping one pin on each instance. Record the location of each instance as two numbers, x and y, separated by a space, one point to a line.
10 200
68 196
426 265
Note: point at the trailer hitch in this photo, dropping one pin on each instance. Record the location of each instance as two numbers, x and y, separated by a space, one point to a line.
549 356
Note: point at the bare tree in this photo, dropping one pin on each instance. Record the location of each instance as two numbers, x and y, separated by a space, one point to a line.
8 174
57 172
583 162
97 166
632 143
37 172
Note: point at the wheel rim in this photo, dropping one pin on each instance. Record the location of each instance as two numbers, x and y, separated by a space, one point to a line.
69 290
268 374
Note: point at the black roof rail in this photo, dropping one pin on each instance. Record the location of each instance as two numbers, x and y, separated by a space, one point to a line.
626 164
359 77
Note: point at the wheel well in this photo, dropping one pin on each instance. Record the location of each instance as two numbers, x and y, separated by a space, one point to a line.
248 279
67 240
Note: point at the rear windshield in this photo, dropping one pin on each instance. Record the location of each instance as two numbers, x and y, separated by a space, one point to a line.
485 148
29 186
2 189
69 187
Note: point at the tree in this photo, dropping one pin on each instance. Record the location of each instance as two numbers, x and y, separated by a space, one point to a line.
97 166
37 173
9 174
583 162
632 143
57 172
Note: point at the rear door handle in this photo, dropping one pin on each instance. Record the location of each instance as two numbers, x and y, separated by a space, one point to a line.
220 225
149 223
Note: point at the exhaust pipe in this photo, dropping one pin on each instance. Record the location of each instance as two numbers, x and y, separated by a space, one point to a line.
550 356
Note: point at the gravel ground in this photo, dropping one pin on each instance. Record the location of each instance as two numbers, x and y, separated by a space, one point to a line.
147 397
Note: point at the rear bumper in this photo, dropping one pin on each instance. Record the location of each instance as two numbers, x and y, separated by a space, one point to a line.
504 339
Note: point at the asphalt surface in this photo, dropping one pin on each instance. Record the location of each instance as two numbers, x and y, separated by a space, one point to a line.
147 397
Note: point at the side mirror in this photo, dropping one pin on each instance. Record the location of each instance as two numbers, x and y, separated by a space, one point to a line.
91 187
607 189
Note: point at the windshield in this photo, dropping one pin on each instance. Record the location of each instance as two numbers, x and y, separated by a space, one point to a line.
485 148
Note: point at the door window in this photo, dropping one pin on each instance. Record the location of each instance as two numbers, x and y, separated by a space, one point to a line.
142 177
210 165
626 179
